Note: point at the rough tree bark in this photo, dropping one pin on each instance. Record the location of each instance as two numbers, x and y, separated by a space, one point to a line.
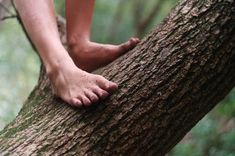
177 74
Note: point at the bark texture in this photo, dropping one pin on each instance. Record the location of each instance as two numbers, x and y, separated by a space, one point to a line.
177 74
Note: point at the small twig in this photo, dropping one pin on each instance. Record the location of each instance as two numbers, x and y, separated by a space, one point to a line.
11 14
8 17
6 9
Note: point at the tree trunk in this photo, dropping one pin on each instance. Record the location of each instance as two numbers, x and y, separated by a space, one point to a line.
176 75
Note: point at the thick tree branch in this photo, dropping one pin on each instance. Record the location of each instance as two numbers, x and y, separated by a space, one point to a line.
176 75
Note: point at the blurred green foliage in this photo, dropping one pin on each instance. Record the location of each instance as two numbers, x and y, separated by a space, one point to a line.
19 68
214 135
114 22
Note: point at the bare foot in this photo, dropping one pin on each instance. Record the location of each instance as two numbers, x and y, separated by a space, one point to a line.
78 87
90 56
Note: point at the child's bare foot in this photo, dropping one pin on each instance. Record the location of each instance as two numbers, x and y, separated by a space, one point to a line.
78 87
90 56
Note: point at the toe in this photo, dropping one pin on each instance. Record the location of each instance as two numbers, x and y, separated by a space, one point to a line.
86 101
135 40
130 44
111 87
101 93
107 85
92 96
76 102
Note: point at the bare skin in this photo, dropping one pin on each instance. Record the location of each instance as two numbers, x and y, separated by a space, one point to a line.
81 49
72 84
86 51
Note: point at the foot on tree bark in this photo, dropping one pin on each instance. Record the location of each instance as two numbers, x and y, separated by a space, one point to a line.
90 56
77 87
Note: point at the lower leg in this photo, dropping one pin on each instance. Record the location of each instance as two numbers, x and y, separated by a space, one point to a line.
79 18
69 82
86 54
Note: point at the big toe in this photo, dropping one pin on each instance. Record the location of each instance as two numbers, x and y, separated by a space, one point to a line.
75 102
107 85
130 44
110 86
134 41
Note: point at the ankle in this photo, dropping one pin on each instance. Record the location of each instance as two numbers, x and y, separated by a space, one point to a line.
77 40
56 68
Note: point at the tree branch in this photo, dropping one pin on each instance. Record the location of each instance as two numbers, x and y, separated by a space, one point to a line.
5 9
174 77
8 17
